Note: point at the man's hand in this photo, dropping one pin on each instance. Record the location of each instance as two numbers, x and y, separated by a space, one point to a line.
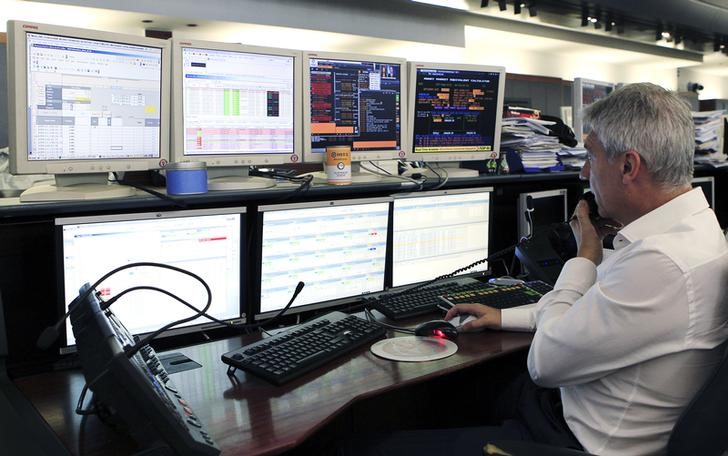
485 317
588 239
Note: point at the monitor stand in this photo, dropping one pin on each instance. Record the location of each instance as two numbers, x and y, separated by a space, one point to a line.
77 187
444 169
235 178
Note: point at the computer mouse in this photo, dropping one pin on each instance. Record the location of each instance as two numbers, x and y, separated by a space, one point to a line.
437 328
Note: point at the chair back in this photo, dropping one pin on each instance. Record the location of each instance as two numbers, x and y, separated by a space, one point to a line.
701 428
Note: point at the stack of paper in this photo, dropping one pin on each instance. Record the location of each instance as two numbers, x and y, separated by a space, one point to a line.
531 140
708 133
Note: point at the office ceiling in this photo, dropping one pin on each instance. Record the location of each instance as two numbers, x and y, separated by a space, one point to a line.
699 25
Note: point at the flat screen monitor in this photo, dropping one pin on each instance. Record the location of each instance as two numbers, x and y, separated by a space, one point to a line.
547 208
707 184
235 106
337 248
206 242
356 101
84 103
436 233
455 114
586 92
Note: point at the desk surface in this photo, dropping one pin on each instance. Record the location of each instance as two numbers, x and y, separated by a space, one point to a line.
246 415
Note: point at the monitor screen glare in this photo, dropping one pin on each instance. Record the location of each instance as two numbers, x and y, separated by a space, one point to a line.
90 99
337 250
355 103
436 234
206 243
237 102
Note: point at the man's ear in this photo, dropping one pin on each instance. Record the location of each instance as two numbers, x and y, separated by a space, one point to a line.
631 165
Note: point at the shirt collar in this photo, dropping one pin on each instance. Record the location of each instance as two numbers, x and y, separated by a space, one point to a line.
662 218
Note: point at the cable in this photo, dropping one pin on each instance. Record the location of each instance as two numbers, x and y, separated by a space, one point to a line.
385 173
108 303
491 257
159 195
372 319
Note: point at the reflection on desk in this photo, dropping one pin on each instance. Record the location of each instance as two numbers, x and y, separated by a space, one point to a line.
246 415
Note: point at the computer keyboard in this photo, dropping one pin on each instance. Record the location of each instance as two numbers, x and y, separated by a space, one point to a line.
501 296
417 302
294 352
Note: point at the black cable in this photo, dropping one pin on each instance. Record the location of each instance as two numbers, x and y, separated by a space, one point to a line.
108 303
373 320
419 286
160 195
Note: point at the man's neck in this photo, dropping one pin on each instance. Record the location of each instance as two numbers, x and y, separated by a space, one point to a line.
647 198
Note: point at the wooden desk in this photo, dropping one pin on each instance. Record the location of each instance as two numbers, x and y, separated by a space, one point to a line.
246 415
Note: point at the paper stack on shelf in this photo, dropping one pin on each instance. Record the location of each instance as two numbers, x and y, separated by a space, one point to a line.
531 139
708 134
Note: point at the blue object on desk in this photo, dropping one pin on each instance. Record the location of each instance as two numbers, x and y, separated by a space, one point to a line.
186 178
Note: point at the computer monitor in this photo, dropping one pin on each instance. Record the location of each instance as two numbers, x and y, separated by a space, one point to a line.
707 184
455 114
84 103
586 92
549 207
337 248
206 242
357 101
436 233
235 106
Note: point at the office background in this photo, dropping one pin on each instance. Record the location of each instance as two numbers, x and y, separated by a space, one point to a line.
541 61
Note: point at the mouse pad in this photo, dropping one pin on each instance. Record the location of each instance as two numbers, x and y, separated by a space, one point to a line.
414 348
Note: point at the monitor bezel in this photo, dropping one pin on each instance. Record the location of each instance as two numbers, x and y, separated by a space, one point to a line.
257 256
414 195
237 159
577 104
523 222
413 67
187 330
356 156
18 102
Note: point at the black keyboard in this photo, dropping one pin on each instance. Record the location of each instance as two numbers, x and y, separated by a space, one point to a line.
418 302
294 352
500 296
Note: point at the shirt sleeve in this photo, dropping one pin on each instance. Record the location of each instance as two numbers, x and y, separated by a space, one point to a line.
587 328
522 318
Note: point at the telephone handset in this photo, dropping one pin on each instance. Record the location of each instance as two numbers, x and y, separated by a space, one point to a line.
605 226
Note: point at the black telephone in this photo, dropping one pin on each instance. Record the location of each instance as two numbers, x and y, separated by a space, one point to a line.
543 254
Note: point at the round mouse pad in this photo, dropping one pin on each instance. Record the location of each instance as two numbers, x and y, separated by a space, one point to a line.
414 348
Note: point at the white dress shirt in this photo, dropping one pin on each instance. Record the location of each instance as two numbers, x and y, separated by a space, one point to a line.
630 341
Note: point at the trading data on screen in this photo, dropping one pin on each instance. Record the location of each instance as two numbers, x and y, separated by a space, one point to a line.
455 110
91 99
207 245
356 104
435 235
237 102
337 251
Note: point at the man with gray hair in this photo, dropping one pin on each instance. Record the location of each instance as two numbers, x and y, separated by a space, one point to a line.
625 339
630 337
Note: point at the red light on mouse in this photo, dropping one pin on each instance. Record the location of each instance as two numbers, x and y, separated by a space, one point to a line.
438 333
